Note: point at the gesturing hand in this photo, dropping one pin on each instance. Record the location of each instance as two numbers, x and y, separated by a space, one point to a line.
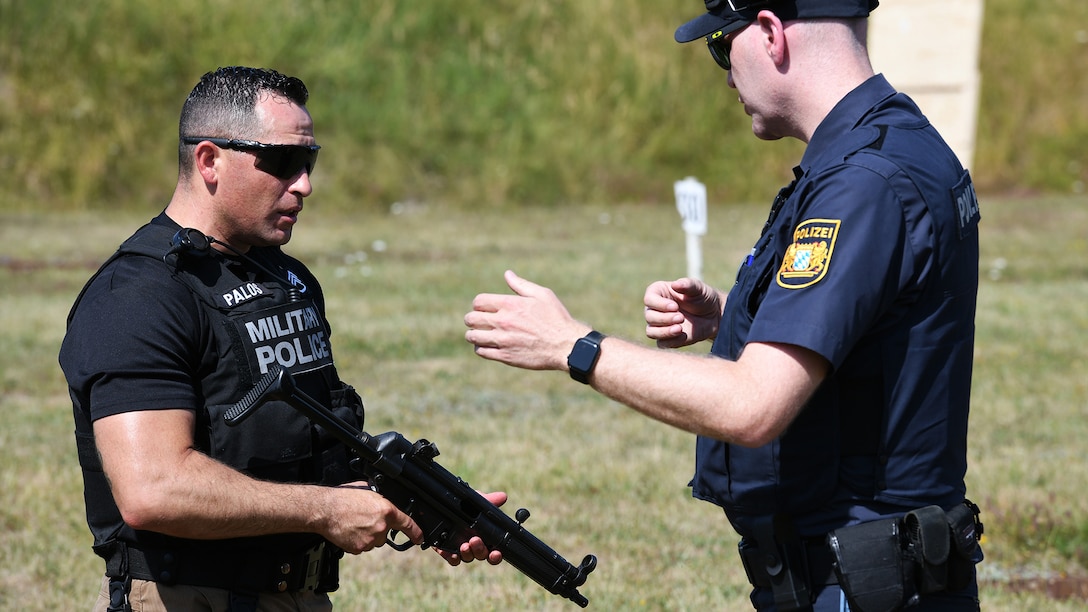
531 329
682 312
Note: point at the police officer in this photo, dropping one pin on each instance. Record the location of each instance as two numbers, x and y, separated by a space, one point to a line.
832 412
176 327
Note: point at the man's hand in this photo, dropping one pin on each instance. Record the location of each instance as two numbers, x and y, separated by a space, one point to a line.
357 519
530 330
682 312
475 549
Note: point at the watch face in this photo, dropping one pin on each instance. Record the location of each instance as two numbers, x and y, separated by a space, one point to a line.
583 358
584 352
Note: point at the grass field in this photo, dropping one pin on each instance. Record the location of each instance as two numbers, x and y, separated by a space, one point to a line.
597 477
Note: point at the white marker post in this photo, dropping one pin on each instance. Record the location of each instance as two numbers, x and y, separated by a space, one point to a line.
691 202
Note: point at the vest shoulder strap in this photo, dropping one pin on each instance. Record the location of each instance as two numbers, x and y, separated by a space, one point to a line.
151 240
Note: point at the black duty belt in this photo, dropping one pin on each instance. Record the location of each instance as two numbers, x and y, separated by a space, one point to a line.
880 565
314 569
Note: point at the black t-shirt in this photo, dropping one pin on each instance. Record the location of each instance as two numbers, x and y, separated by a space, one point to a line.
135 341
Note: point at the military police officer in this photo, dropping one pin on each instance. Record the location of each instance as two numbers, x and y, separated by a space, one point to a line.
175 328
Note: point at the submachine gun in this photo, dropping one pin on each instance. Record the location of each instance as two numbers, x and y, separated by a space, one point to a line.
444 506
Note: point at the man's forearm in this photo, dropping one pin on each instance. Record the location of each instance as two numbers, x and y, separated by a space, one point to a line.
746 402
206 499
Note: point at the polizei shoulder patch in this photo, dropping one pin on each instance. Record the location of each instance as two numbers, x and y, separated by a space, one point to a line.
807 259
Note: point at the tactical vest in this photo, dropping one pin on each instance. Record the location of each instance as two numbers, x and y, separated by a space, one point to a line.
252 324
848 441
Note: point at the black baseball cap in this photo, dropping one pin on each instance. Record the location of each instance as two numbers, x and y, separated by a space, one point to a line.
731 15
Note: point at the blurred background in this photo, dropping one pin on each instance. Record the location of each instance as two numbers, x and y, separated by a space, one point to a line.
577 116
490 104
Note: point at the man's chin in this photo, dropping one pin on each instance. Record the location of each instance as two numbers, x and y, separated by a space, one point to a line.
763 133
275 238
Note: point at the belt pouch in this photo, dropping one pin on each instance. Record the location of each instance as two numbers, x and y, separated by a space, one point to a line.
966 529
928 532
870 566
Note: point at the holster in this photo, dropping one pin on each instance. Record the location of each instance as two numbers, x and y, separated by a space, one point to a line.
777 560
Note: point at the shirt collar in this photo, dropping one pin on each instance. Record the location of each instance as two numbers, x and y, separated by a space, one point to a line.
843 119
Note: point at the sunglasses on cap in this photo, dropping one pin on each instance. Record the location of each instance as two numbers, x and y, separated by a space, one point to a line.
720 45
283 161
717 42
747 6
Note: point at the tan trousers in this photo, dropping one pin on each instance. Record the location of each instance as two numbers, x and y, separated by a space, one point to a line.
147 596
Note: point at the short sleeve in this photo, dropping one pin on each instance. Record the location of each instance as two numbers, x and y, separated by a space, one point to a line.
133 341
842 265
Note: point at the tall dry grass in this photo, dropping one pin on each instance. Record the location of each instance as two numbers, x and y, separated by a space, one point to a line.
478 104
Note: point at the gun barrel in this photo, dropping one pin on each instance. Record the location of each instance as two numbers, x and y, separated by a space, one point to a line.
448 511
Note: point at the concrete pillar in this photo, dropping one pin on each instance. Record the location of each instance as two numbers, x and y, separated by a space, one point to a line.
929 49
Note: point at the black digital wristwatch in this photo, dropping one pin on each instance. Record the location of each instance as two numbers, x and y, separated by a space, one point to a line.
584 356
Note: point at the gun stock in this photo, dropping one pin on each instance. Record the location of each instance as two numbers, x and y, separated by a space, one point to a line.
445 507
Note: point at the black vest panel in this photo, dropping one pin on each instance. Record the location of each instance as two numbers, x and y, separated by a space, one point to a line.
253 321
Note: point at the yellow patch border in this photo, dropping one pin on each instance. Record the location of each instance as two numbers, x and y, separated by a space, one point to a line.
817 249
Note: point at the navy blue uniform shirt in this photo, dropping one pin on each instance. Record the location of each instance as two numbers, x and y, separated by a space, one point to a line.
870 259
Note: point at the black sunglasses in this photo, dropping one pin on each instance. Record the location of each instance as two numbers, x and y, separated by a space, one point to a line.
283 161
719 46
717 43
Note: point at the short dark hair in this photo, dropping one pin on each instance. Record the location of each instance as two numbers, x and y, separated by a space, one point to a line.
222 105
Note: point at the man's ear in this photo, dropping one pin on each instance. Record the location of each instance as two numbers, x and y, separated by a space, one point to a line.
773 35
206 158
